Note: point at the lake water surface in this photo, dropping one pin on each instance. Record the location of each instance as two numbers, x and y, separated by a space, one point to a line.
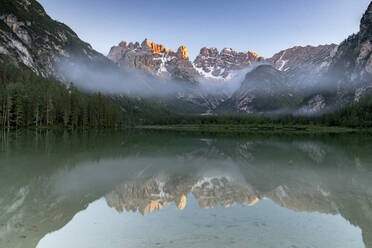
156 189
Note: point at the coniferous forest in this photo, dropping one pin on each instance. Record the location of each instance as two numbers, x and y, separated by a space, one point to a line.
28 100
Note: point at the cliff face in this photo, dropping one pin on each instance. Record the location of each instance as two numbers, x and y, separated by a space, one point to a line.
154 59
353 58
30 37
304 65
351 66
158 60
213 64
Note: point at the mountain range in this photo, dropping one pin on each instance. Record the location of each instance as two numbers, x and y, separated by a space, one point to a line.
299 80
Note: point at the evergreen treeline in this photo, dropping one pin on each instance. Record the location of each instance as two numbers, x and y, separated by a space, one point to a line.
29 100
356 115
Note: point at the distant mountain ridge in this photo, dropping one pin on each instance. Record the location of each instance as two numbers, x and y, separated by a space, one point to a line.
154 59
160 61
304 64
213 64
317 79
301 68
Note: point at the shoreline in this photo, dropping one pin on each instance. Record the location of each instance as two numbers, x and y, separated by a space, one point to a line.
254 129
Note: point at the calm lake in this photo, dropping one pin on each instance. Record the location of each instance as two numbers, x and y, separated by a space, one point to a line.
159 189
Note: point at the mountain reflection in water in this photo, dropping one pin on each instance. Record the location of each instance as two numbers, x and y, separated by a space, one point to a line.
47 179
154 194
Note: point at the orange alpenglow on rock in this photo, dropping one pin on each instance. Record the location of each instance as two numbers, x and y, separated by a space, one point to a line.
146 43
255 55
154 47
163 49
182 50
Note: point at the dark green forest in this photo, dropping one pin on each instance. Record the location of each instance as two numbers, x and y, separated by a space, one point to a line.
28 100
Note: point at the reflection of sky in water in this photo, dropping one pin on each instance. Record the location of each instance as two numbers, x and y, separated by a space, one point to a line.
72 197
263 225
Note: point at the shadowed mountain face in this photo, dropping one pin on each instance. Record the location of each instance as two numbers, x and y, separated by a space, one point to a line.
29 37
265 89
304 65
148 172
349 72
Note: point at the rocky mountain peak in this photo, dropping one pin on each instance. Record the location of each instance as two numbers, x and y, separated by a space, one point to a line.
155 59
182 52
253 54
158 60
129 45
298 57
147 44
304 65
219 65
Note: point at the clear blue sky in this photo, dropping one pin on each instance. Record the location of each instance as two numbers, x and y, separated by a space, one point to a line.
263 26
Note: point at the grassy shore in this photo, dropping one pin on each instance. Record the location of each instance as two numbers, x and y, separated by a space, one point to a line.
267 128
